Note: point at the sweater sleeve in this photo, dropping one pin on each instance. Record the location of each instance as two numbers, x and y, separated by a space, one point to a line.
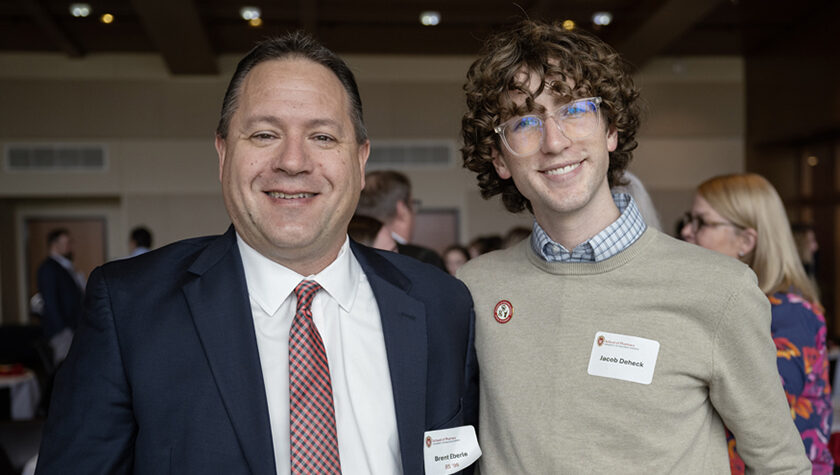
745 388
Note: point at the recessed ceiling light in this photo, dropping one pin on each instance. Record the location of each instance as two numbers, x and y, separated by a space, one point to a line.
430 18
255 22
568 25
79 10
602 18
107 18
249 13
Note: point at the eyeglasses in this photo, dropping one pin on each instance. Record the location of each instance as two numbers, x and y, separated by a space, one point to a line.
697 222
524 135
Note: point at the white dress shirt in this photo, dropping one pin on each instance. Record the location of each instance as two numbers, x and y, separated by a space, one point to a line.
398 238
347 316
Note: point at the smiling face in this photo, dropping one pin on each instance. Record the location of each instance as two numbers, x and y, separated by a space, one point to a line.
564 178
290 166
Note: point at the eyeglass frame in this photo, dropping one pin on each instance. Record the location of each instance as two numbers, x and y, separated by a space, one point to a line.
500 129
697 222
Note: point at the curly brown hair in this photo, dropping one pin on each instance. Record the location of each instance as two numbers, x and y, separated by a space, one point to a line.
552 52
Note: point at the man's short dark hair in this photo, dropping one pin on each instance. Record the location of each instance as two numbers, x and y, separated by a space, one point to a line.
293 45
142 237
55 234
383 190
550 51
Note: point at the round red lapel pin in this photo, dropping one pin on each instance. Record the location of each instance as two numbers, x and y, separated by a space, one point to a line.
503 311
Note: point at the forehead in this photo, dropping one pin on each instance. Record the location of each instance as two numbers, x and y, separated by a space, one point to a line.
292 80
702 207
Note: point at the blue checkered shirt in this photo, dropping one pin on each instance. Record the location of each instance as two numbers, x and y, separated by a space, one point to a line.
615 238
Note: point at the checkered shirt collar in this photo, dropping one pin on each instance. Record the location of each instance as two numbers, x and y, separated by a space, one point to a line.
615 238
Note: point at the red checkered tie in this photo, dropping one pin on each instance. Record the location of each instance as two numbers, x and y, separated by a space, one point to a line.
313 439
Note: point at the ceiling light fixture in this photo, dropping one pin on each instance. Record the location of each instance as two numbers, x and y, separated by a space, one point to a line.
429 18
80 10
602 18
107 18
568 25
249 13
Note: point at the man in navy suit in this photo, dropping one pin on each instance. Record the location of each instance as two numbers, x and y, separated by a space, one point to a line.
58 285
387 197
61 290
181 361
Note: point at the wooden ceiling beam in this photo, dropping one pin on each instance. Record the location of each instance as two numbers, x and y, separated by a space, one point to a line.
51 28
671 20
176 29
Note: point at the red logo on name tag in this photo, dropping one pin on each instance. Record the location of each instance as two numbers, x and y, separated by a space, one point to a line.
503 311
428 441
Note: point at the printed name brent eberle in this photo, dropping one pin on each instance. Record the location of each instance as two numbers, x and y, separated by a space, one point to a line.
451 456
613 359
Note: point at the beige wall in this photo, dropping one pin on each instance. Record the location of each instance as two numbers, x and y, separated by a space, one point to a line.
163 171
693 129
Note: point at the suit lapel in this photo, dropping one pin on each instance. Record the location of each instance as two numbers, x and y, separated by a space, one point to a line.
404 328
221 311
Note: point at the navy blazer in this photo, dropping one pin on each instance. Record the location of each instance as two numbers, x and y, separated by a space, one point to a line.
164 374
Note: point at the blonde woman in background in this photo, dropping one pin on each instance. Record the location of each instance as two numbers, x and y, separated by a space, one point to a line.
743 217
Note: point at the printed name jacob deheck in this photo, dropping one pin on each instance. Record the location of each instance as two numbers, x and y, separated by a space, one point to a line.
613 359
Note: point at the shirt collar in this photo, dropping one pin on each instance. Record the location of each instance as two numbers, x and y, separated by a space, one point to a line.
613 239
270 283
139 250
65 262
399 239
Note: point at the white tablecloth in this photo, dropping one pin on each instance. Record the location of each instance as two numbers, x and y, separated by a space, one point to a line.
24 394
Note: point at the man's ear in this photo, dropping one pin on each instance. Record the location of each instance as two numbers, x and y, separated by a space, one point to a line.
221 148
500 165
612 138
362 154
747 240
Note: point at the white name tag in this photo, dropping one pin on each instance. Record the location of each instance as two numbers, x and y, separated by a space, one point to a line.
450 450
624 357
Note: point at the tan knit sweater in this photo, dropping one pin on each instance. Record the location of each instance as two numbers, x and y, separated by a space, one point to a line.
542 413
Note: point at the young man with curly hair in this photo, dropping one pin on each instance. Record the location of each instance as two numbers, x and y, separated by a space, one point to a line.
604 345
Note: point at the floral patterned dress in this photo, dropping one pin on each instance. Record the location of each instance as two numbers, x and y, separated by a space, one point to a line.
798 329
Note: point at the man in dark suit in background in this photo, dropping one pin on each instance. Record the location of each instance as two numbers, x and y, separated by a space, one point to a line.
61 290
140 241
387 197
236 353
